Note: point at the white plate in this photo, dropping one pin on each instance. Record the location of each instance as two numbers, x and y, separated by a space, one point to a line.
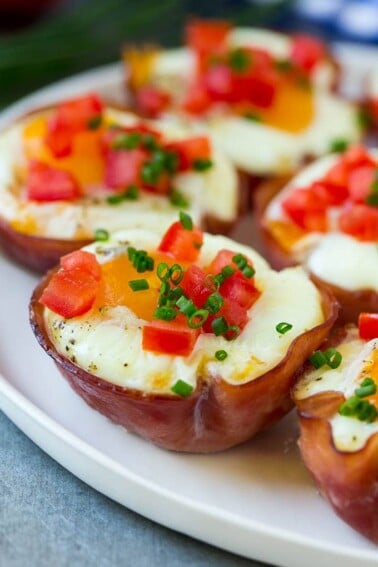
256 500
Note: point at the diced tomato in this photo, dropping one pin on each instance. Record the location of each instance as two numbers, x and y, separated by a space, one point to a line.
194 285
368 326
190 150
360 221
306 209
174 338
219 82
206 35
70 293
71 117
46 183
123 167
241 290
361 181
83 261
307 52
332 194
222 259
258 88
151 101
182 244
197 99
356 156
109 136
161 186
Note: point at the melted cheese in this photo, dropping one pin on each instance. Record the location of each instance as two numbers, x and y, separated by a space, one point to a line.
321 253
359 361
108 343
214 192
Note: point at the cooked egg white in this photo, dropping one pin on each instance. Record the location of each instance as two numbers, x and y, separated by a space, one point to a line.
348 434
321 253
214 193
109 344
256 147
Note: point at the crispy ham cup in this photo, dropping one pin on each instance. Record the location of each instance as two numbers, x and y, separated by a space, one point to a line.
69 171
192 344
326 218
338 410
267 99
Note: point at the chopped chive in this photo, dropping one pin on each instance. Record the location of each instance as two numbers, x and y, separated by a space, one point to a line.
130 252
149 142
333 358
150 172
140 260
283 327
372 200
198 318
349 407
186 221
101 235
367 388
165 313
227 271
202 164
318 359
338 145
284 65
177 199
94 122
248 271
367 412
232 332
182 388
239 60
114 199
163 271
176 273
210 283
221 355
219 326
126 141
252 116
214 302
186 306
139 285
131 193
240 260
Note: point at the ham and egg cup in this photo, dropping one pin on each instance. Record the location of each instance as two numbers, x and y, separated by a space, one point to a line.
80 167
327 219
337 400
267 99
191 341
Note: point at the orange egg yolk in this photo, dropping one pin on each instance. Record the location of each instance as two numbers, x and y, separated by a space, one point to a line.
115 289
86 162
284 233
371 370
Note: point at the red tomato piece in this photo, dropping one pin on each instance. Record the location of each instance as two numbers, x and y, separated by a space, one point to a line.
332 194
46 183
194 285
241 290
206 35
258 88
152 101
70 293
356 156
182 244
338 175
306 209
307 52
222 259
197 99
123 167
361 181
368 326
190 150
83 261
171 337
360 221
71 117
219 82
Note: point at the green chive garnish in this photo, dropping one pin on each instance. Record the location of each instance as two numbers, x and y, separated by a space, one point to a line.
240 260
283 327
131 193
362 410
318 359
186 221
149 142
182 388
284 65
219 326
126 141
367 388
232 332
177 199
140 260
339 145
221 355
248 271
114 199
252 116
139 285
163 271
95 122
101 235
333 358
239 60
202 164
198 318
165 313
214 302
176 273
186 306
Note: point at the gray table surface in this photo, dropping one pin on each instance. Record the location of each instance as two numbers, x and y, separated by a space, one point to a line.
50 518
